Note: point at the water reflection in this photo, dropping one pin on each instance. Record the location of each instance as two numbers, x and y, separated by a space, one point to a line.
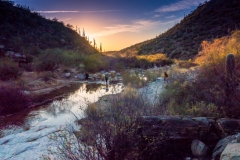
64 111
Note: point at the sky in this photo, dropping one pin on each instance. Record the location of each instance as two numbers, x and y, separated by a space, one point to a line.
116 24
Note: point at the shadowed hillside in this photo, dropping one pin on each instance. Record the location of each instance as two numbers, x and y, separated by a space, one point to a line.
25 31
213 19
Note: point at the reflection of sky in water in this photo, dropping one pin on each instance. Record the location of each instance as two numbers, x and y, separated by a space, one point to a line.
66 110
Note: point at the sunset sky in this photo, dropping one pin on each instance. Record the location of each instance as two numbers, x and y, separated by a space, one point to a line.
117 24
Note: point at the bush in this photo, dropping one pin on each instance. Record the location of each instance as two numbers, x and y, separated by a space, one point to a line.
133 79
186 98
49 60
46 76
12 99
95 62
8 69
110 131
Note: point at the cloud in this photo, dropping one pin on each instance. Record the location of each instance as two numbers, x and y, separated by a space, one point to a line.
183 4
156 16
172 16
100 11
136 26
57 11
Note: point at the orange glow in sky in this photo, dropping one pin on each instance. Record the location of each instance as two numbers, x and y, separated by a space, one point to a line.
116 24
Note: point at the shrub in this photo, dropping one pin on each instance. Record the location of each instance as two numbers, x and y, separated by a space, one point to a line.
184 98
49 60
133 79
46 76
8 69
95 62
12 99
212 76
186 64
109 131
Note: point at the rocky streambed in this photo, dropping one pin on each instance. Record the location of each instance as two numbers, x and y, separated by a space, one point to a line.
25 135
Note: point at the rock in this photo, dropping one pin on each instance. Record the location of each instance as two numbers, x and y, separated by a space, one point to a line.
231 152
67 75
221 146
199 148
81 77
228 126
10 54
112 72
19 55
175 127
118 74
159 79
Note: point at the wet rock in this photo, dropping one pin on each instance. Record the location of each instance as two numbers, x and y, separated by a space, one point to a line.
81 77
221 146
199 148
159 79
228 126
231 152
67 75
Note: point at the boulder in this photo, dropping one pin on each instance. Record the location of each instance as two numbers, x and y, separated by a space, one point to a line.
118 74
220 146
67 75
228 126
176 127
231 152
81 77
199 148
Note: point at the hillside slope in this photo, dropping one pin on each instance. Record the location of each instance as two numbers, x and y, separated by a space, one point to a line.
25 31
213 19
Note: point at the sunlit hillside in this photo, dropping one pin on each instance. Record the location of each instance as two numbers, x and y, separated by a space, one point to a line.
213 19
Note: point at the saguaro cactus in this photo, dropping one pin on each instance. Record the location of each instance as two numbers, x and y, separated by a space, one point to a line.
230 67
230 85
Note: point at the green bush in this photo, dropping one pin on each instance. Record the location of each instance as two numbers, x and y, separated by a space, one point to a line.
49 60
95 62
133 79
8 69
186 98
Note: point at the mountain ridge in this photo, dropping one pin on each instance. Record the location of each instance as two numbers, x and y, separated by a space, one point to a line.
210 20
23 30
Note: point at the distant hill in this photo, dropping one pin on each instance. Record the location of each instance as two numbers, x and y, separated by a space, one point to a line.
22 30
213 19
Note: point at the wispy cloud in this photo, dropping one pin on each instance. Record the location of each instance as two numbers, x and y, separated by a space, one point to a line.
57 11
172 16
156 16
136 26
97 11
183 4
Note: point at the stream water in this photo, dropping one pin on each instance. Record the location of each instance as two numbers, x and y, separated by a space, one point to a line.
25 134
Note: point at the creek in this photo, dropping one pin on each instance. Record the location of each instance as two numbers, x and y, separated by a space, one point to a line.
25 135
